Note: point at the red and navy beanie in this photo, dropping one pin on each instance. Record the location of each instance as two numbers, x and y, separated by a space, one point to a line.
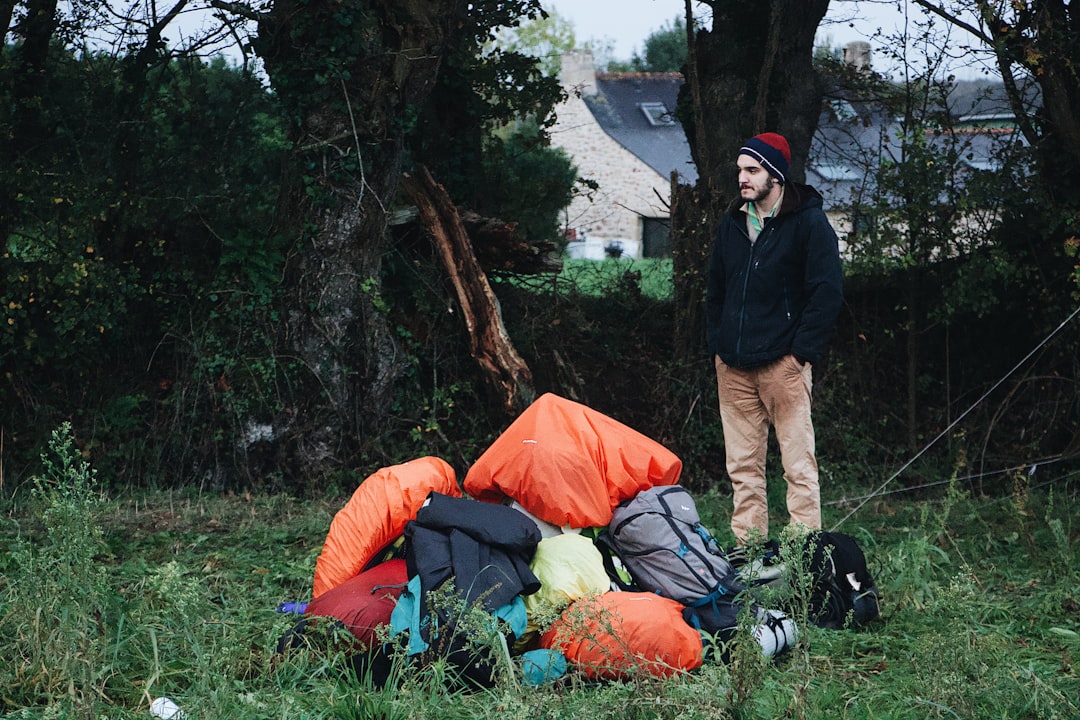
772 151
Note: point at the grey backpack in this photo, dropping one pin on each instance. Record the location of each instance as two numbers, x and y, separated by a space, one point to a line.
659 537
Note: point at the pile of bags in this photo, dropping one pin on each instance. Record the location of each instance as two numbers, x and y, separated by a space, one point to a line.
569 518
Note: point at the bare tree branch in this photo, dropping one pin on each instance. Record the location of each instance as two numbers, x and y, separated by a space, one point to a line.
704 159
955 20
241 9
995 39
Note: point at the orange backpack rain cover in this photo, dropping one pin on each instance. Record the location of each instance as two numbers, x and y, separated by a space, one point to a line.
617 634
568 464
376 515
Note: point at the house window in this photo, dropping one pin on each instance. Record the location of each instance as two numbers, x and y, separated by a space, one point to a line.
657 114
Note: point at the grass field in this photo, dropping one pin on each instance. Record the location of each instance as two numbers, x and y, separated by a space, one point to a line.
597 278
652 275
109 602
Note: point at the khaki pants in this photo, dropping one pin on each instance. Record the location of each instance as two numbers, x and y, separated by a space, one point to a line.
750 400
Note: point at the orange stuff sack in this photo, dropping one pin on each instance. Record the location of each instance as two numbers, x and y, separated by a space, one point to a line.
364 602
619 634
375 516
569 465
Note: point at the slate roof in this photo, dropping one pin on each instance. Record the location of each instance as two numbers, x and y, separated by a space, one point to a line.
840 157
846 145
617 108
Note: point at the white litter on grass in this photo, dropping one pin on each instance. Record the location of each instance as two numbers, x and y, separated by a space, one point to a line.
166 709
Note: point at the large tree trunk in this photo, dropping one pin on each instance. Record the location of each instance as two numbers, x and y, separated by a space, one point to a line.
1052 54
691 232
693 214
755 73
349 72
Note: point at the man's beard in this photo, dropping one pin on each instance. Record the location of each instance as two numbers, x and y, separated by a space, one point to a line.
761 194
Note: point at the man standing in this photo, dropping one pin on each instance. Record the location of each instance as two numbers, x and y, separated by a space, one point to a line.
774 292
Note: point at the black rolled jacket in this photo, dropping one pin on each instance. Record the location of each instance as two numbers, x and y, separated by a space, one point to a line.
779 295
486 548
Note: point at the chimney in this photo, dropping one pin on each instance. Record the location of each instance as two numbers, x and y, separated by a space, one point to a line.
579 72
857 55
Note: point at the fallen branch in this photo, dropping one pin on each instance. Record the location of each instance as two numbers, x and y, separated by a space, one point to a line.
489 343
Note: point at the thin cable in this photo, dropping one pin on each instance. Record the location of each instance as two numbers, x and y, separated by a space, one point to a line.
939 483
955 422
1033 465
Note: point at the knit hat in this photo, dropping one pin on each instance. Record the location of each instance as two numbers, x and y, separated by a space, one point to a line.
772 151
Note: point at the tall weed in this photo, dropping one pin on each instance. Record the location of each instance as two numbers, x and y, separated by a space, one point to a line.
56 615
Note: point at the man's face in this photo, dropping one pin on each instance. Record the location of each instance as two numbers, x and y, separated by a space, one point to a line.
755 183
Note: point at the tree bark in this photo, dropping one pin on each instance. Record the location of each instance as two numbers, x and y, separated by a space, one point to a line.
693 215
350 73
691 236
756 73
506 373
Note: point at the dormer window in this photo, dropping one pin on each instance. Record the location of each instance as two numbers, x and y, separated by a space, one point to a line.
657 114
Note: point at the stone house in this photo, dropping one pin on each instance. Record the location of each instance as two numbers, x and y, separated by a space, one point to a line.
621 132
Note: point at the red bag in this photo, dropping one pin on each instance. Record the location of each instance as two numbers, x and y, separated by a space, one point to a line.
568 464
364 602
375 516
614 635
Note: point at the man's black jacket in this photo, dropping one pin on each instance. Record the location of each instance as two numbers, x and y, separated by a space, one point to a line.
779 295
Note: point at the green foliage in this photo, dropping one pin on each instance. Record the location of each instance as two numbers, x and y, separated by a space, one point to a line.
58 299
1072 250
934 247
462 634
483 135
544 37
922 205
665 49
665 52
649 276
526 180
125 251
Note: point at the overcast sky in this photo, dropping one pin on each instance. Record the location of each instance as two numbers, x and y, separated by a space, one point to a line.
626 23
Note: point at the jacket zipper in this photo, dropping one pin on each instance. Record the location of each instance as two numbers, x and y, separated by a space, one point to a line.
746 283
